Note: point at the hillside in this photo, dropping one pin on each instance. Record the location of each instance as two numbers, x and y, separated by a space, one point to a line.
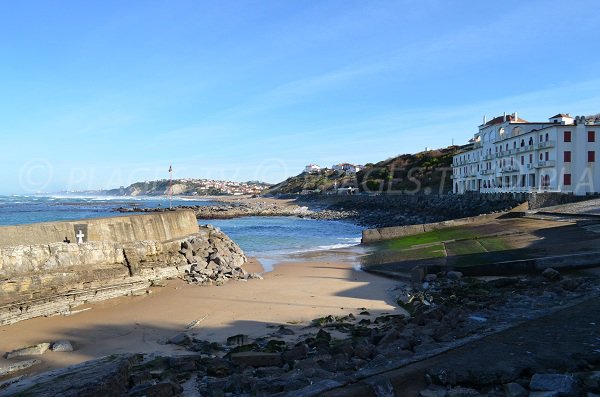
321 181
188 187
424 172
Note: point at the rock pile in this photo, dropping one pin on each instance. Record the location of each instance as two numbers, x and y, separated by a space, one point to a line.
213 260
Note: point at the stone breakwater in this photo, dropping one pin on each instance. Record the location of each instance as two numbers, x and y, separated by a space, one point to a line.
260 208
53 278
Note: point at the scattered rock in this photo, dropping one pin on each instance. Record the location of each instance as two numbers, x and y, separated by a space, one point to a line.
433 391
454 275
62 346
237 340
257 359
18 366
566 385
181 339
283 330
514 389
551 274
460 391
35 350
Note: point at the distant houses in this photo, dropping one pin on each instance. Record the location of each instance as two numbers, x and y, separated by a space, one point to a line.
346 168
312 168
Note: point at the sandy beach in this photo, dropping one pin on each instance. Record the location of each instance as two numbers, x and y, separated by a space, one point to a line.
292 294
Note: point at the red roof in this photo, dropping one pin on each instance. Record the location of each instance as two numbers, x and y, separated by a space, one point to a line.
509 117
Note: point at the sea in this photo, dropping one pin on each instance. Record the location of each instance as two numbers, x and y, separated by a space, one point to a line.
269 239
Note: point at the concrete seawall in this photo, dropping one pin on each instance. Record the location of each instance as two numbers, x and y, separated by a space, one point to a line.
41 275
161 226
387 233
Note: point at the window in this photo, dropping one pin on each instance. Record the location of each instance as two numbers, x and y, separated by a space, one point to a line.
567 156
567 136
567 180
522 142
541 156
546 156
530 158
591 136
522 160
530 141
541 138
591 156
546 137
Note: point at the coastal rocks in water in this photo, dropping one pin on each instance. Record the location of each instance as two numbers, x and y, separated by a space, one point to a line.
257 208
35 350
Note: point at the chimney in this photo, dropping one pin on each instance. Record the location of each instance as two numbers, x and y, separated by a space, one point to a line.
504 117
484 119
516 117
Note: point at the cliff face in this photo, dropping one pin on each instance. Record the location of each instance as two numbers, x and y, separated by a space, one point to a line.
52 278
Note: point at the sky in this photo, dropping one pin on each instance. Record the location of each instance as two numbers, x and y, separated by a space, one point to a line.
101 94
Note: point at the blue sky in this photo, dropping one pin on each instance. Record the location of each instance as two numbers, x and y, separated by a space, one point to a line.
99 94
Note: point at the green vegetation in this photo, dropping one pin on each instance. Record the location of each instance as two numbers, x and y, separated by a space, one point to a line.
435 236
430 251
425 172
464 247
321 181
494 244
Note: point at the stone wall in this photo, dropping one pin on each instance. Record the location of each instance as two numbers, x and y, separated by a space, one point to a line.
549 199
53 277
387 233
158 226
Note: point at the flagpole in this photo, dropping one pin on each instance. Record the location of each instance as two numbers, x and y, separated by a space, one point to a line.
170 187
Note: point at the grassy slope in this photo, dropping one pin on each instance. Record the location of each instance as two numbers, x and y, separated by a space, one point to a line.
427 172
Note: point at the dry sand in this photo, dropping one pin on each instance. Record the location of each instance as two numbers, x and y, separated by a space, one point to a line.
293 293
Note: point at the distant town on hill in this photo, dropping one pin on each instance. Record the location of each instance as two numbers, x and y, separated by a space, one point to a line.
183 187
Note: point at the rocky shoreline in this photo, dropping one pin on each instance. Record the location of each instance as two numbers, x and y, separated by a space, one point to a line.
444 312
256 208
367 211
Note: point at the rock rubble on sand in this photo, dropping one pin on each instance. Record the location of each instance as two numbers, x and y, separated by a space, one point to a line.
214 260
337 350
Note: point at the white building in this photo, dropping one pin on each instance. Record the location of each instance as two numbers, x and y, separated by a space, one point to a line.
346 167
510 154
312 168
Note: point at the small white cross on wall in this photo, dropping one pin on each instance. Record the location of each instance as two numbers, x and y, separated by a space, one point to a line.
80 236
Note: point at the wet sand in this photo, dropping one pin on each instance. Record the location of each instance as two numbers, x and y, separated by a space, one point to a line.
292 294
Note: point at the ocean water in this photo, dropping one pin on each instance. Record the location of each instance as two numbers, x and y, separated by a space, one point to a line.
15 210
270 239
289 239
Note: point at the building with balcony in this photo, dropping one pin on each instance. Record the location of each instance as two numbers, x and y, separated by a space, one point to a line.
510 154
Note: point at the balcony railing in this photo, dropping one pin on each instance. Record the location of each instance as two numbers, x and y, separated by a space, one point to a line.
544 164
547 144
